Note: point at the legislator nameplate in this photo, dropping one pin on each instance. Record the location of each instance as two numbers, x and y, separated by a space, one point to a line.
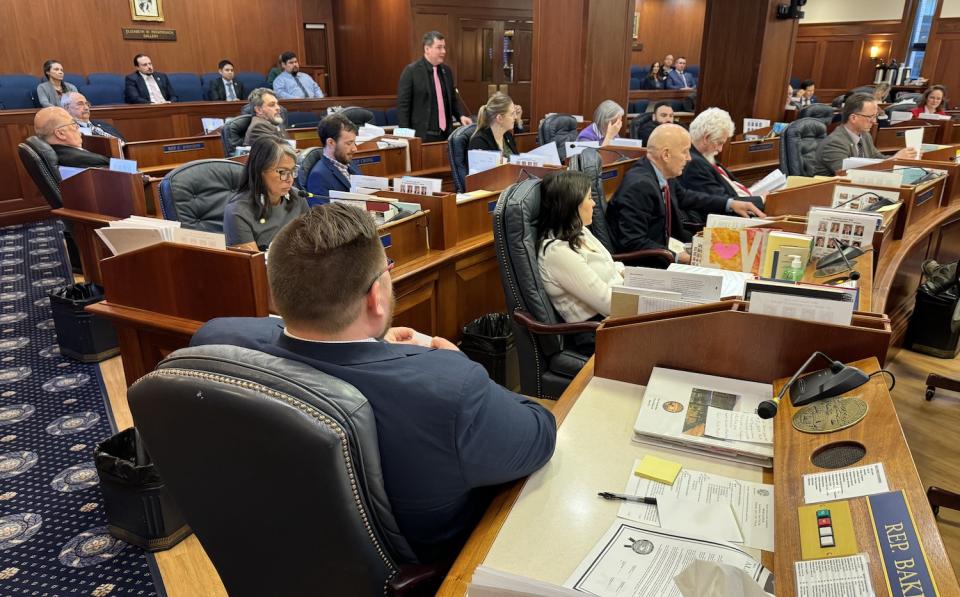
370 159
151 34
609 174
182 147
760 147
904 559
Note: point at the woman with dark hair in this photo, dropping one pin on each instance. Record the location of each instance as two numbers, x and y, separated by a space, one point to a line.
932 101
577 270
495 125
53 86
655 79
266 199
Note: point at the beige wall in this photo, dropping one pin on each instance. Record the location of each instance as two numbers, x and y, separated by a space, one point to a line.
950 9
845 11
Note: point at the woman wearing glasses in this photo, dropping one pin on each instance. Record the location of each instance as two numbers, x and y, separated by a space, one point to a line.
266 199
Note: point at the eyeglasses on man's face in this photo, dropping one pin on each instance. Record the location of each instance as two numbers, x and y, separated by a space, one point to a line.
870 117
390 264
75 125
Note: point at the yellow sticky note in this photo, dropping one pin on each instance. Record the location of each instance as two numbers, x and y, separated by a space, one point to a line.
658 469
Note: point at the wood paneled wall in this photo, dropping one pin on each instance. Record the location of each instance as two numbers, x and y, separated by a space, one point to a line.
668 27
941 64
837 55
85 35
372 38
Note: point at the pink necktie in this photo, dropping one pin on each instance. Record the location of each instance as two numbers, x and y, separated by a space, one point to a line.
440 111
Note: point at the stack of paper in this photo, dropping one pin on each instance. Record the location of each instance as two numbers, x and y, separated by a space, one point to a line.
771 182
646 290
417 185
809 302
732 285
136 232
487 582
676 405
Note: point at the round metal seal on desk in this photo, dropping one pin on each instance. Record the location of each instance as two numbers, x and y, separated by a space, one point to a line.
832 414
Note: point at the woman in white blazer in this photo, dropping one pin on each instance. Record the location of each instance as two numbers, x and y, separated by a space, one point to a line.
578 272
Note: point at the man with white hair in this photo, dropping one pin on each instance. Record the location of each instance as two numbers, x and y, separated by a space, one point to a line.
76 104
709 131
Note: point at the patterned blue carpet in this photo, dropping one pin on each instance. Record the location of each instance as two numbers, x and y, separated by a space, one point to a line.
53 535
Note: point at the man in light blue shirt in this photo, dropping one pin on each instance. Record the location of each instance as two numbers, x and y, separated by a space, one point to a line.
291 83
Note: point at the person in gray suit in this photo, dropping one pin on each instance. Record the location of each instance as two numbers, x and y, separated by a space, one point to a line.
852 139
267 118
53 87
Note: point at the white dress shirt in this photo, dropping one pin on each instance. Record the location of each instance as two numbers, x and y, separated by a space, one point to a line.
156 96
579 282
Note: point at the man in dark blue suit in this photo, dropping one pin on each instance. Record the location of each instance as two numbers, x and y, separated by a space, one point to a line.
447 433
144 86
679 78
338 137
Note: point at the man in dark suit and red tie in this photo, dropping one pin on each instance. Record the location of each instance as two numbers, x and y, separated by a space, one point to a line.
427 96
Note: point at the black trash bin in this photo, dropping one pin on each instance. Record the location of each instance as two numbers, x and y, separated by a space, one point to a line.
139 509
488 340
935 323
81 335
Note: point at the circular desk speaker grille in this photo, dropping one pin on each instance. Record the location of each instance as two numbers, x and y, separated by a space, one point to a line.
838 455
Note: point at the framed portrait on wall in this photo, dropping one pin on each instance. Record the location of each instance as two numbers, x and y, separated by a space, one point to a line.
147 10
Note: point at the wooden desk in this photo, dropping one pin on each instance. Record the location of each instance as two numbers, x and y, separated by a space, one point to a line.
892 138
750 161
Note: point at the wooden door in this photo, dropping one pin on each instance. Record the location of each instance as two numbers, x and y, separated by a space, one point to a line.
480 60
316 58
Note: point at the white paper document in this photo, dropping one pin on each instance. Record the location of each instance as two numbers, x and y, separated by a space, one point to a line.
488 582
480 160
625 142
834 577
914 139
752 124
696 287
744 427
771 182
548 151
369 182
875 177
528 159
844 483
576 147
751 503
632 560
733 282
853 163
399 131
802 307
713 521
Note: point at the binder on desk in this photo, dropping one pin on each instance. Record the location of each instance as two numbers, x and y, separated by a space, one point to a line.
724 339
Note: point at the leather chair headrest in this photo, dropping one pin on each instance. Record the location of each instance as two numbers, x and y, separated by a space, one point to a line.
196 193
457 146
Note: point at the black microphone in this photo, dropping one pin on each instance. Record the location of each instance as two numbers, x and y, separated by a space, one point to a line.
768 408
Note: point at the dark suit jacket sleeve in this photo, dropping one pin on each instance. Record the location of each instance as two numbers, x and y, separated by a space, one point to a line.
73 157
702 202
501 436
131 90
405 98
700 176
166 88
322 179
214 91
635 210
673 80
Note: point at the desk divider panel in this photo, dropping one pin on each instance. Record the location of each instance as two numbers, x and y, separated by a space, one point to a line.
99 191
441 216
724 339
504 175
179 150
108 146
893 138
797 201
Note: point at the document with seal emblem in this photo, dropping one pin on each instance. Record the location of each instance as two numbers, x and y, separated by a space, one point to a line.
676 404
633 560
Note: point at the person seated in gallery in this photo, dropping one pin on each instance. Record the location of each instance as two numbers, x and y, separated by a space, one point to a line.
655 79
266 199
607 120
51 90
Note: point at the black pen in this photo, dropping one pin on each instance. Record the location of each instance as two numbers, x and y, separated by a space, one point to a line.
609 495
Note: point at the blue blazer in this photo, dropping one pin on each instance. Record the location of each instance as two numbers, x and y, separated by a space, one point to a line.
676 80
325 177
447 432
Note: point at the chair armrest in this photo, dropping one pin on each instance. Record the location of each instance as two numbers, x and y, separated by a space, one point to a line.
645 255
417 579
524 319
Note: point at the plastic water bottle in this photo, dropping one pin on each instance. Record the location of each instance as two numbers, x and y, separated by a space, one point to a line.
794 273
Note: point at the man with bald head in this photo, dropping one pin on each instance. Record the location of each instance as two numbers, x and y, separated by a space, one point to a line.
645 210
55 126
76 104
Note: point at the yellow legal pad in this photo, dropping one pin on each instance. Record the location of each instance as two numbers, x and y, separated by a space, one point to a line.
658 469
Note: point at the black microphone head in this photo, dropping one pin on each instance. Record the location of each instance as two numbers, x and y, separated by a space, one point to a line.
854 275
767 409
837 366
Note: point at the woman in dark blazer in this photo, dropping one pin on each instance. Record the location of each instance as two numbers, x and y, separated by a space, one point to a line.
494 125
655 79
53 87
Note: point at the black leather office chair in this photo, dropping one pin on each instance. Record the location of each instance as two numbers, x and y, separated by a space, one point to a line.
40 162
638 122
821 112
196 193
798 146
358 116
276 466
548 360
559 128
233 132
306 160
457 146
590 163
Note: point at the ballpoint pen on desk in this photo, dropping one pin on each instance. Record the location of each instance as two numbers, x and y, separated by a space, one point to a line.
609 495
